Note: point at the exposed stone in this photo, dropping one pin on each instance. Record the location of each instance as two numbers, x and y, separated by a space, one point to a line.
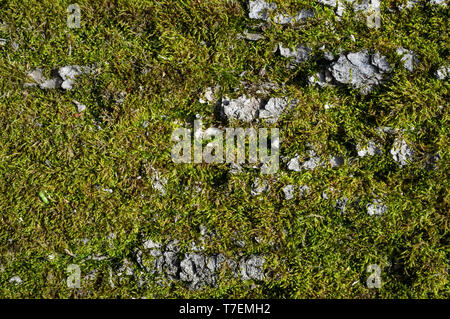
443 73
294 165
288 191
80 107
248 109
409 58
357 69
251 36
63 77
16 280
313 161
337 161
303 190
376 208
259 186
299 54
252 268
401 152
371 149
260 9
158 182
299 17
274 107
243 108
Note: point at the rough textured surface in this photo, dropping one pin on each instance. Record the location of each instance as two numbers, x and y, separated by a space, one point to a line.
195 268
370 149
359 69
401 152
258 187
259 9
63 77
288 191
408 58
376 208
443 73
247 109
299 54
243 108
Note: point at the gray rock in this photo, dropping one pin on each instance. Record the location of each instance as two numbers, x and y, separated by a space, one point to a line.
381 63
251 36
299 54
401 152
303 190
337 161
63 77
260 9
242 109
274 107
248 109
80 107
439 2
371 149
409 58
360 70
331 3
150 244
294 165
158 182
288 191
411 3
376 208
313 161
340 5
16 280
345 71
258 187
443 73
252 268
322 78
299 17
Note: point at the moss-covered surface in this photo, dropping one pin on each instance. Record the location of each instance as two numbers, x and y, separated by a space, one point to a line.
162 55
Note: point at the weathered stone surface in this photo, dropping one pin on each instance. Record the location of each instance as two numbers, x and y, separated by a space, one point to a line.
337 161
243 108
15 280
252 268
409 58
376 208
248 109
357 70
313 161
260 9
158 182
272 110
401 152
288 191
299 54
63 77
300 16
341 204
443 73
258 187
371 149
195 267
